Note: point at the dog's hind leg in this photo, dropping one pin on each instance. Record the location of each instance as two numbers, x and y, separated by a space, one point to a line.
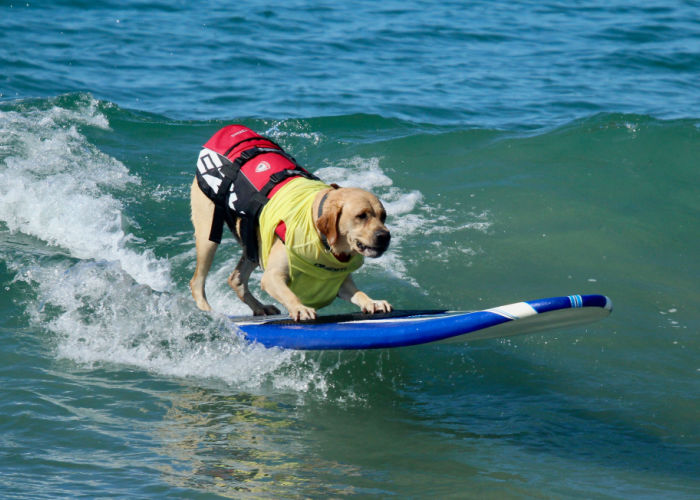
202 215
239 282
205 256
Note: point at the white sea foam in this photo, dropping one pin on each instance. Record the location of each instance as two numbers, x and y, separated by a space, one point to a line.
58 187
101 315
276 131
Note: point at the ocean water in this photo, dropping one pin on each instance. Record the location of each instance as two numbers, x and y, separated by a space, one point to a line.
522 149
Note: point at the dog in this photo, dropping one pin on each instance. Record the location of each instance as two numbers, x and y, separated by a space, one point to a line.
310 236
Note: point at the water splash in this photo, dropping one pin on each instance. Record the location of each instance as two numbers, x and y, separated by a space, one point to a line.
58 187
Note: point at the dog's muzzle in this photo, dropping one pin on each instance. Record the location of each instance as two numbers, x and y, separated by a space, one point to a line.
380 242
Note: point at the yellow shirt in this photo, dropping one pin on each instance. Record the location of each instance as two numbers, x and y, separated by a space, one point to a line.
315 275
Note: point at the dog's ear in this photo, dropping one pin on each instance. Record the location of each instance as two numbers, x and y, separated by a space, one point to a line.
327 223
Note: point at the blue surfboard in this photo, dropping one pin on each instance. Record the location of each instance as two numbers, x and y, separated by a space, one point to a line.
406 328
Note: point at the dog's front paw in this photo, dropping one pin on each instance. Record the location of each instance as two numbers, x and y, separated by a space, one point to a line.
266 310
376 306
302 313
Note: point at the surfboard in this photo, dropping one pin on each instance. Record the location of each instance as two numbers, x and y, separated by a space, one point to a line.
407 328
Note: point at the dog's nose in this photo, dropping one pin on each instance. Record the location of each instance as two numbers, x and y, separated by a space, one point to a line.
382 237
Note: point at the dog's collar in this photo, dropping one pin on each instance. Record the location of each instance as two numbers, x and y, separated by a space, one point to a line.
318 215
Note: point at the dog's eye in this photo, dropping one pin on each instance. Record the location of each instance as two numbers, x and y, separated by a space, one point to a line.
362 216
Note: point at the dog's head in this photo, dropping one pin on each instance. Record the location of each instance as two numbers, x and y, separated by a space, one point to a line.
353 221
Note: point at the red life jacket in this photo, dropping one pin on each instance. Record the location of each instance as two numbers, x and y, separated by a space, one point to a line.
240 170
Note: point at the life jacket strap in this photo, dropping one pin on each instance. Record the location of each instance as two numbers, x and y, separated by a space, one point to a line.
255 138
282 175
217 224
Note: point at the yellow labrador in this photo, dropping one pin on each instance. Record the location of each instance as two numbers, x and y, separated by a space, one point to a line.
348 222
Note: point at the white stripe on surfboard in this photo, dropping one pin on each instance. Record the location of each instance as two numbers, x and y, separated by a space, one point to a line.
518 310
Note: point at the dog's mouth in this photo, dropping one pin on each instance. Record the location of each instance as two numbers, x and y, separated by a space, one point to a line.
371 251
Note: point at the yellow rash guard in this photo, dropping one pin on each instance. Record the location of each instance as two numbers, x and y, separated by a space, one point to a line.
315 275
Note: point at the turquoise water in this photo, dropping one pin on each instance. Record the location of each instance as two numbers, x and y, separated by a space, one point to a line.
522 150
